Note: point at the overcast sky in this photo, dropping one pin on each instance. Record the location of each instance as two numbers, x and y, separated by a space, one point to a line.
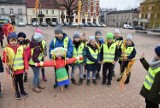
119 4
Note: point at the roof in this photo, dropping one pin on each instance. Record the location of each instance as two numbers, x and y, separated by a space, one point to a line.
13 1
123 11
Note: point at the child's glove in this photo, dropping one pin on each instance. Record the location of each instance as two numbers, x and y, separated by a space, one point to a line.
79 58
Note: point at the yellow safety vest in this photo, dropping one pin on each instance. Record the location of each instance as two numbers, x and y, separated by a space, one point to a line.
78 53
119 43
93 54
149 80
31 62
127 51
65 42
109 53
15 59
43 44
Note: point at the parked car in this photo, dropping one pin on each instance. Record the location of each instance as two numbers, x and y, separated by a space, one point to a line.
81 24
21 24
44 24
130 27
126 26
99 25
59 24
139 28
35 24
86 25
103 25
53 23
156 29
74 24
66 23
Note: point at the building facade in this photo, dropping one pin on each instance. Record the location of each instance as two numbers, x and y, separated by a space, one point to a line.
14 11
147 12
119 18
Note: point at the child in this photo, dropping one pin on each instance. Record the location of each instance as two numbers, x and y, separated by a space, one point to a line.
151 86
78 52
127 53
109 55
119 42
15 58
100 42
36 57
1 36
44 54
92 59
1 70
24 43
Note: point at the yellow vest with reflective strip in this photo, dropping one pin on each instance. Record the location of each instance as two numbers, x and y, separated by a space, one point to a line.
65 42
149 80
31 62
119 43
43 44
109 53
127 51
18 62
93 54
78 53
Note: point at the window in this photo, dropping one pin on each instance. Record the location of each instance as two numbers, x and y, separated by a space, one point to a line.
2 10
20 11
11 11
46 11
52 11
33 11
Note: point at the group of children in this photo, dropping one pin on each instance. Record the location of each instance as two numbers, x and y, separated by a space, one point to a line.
20 53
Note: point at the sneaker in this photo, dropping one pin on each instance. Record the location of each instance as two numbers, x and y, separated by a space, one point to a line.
94 81
18 96
84 76
1 94
25 78
80 81
55 86
118 79
24 94
88 82
36 89
109 83
73 80
103 82
66 86
44 78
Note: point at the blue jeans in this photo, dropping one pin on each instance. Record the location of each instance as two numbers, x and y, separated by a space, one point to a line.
93 74
36 73
80 67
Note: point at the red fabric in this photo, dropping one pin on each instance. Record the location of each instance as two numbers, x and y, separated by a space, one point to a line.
26 66
58 63
7 29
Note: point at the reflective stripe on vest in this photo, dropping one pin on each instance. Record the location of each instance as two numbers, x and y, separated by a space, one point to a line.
43 44
78 53
93 54
65 42
31 62
18 62
149 80
109 53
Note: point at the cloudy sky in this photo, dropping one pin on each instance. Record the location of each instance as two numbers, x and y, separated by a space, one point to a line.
119 4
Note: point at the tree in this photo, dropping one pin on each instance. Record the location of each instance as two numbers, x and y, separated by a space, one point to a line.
70 5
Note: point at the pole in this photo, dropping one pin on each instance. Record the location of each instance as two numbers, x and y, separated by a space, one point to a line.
79 11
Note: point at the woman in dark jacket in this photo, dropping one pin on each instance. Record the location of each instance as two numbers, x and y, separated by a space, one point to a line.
151 87
1 36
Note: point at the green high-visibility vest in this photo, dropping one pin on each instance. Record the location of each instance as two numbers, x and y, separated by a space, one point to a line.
31 62
119 43
78 53
149 80
65 42
18 62
43 44
109 53
128 51
93 54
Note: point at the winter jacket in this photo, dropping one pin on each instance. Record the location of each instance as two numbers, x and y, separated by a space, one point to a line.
91 67
59 43
154 93
100 41
24 58
37 50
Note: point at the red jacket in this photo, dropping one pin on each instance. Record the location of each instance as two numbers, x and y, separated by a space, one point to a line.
24 58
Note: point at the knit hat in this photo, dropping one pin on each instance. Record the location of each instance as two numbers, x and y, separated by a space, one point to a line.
58 30
98 32
38 37
129 37
91 38
117 31
157 50
76 35
21 34
38 30
12 35
109 35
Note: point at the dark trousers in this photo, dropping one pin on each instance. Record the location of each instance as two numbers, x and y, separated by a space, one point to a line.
150 104
42 70
67 68
98 68
0 87
123 66
18 83
107 67
1 42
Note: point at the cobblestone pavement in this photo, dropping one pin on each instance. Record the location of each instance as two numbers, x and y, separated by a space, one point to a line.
93 96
